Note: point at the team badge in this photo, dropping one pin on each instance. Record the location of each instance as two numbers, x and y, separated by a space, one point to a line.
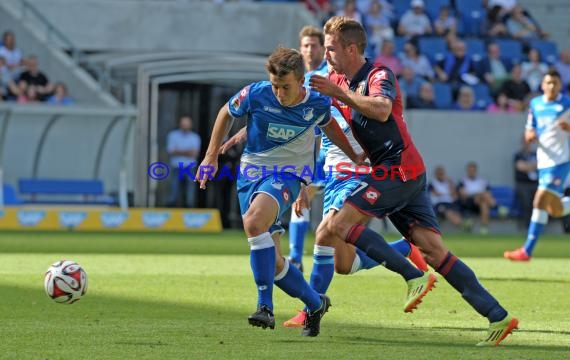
361 89
235 103
308 113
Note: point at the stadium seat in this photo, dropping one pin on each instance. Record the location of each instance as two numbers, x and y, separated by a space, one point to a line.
482 95
505 197
443 95
475 48
470 13
10 197
92 191
547 49
511 50
432 7
399 42
432 47
400 7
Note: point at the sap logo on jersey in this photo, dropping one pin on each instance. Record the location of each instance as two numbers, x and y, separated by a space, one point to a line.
282 133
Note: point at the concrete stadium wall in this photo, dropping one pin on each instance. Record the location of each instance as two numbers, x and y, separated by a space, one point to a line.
250 27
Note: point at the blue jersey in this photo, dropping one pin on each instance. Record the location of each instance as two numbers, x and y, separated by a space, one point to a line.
322 70
553 143
279 138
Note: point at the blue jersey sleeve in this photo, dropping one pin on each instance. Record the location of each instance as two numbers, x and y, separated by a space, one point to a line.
239 103
531 119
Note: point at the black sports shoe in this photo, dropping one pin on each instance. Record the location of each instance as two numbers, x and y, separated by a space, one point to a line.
312 325
263 318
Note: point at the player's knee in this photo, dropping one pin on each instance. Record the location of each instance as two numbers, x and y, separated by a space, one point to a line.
339 228
323 235
254 225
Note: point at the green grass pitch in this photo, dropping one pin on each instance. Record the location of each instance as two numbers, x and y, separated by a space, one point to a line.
187 296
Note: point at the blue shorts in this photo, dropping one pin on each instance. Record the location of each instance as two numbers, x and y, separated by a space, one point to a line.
283 191
337 190
405 203
553 178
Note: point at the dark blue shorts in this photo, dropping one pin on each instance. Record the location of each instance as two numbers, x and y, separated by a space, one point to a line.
405 203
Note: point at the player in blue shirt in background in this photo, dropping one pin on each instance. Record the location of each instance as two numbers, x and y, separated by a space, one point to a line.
281 117
549 124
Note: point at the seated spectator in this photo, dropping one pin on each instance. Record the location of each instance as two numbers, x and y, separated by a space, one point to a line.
5 79
533 70
456 67
410 83
493 68
516 89
377 25
34 77
425 98
60 96
520 26
475 195
501 104
465 99
11 54
349 10
493 25
563 68
506 6
443 197
388 59
445 23
29 95
417 62
415 22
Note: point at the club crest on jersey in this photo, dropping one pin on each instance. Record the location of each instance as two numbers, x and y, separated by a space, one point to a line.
361 88
235 103
282 132
308 113
371 195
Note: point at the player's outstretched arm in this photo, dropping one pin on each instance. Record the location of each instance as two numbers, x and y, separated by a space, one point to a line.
333 131
238 138
209 165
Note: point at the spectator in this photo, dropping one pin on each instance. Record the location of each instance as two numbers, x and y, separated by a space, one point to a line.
493 68
34 77
60 96
425 98
501 104
445 23
466 99
5 80
444 198
520 26
516 89
533 70
415 22
388 59
11 53
475 195
526 180
28 95
493 25
183 146
563 68
506 6
417 62
410 83
456 67
349 10
378 26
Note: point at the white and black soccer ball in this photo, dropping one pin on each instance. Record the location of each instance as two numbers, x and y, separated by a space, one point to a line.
65 282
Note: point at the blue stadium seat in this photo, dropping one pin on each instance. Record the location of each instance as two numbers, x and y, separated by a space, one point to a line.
547 49
91 190
483 96
10 197
432 47
443 95
470 14
475 48
511 50
506 197
400 7
399 42
432 7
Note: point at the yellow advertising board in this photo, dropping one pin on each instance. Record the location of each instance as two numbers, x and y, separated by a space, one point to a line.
110 219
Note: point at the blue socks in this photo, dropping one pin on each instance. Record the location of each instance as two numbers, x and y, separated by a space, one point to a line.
374 245
323 268
262 260
291 281
462 278
538 220
298 228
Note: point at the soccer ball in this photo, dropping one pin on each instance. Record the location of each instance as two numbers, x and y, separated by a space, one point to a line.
65 282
